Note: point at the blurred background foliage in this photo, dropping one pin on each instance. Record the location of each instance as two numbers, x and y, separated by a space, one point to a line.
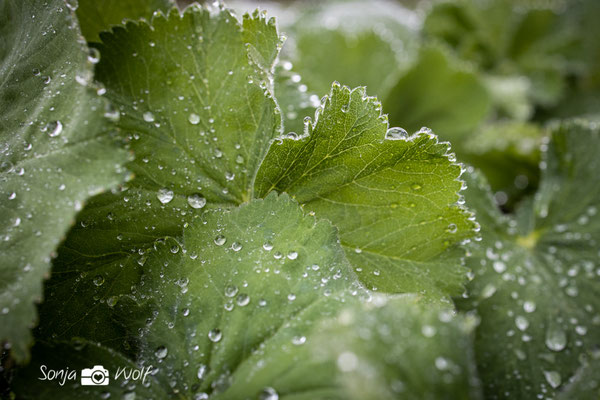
487 75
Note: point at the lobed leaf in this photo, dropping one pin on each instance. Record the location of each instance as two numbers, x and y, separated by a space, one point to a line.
57 151
536 275
392 197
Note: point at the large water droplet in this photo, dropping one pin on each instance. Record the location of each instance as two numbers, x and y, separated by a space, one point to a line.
194 119
556 338
148 116
220 240
161 352
165 195
396 134
553 378
215 335
196 201
53 128
268 393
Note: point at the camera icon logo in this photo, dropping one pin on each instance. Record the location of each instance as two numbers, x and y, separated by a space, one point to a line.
96 376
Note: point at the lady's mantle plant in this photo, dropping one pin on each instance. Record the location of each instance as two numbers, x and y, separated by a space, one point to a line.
152 177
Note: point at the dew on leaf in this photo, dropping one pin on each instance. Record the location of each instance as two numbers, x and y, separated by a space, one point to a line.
231 290
215 335
194 119
268 393
161 352
165 195
196 201
396 134
268 246
553 378
556 338
220 240
243 300
148 116
236 246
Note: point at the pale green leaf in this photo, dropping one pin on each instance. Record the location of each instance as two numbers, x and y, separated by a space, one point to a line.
99 16
392 197
397 348
440 93
536 275
352 42
57 150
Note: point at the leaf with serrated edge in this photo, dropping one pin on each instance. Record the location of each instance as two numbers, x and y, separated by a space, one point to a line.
393 201
536 275
99 16
245 305
229 307
57 151
395 347
175 154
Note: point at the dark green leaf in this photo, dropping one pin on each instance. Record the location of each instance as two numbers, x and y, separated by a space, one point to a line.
57 151
536 275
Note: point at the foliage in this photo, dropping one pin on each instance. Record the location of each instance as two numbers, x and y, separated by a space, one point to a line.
178 198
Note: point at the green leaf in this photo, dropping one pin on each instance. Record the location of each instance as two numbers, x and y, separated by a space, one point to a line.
508 153
243 306
228 310
439 93
99 16
198 118
57 150
585 385
536 275
398 348
392 197
352 42
295 101
512 39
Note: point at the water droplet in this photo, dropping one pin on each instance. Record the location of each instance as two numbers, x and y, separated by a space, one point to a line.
201 371
521 322
292 255
196 201
98 280
215 335
499 266
236 246
53 128
556 338
161 352
428 331
529 306
231 290
112 301
268 393
72 4
243 300
415 186
93 55
194 119
553 378
452 228
220 240
165 195
148 116
291 297
268 246
299 340
396 134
